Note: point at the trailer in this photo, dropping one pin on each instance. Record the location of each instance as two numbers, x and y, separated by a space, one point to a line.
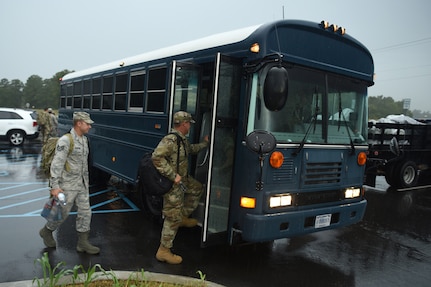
400 151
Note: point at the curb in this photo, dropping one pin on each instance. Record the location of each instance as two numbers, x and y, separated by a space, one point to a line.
124 275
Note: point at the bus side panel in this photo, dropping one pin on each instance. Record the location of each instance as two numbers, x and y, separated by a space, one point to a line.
118 141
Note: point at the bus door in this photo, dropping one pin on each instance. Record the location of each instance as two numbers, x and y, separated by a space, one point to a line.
218 161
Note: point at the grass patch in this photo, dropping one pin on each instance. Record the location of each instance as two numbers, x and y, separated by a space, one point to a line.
96 276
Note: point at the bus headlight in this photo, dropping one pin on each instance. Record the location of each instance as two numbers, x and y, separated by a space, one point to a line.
280 200
352 192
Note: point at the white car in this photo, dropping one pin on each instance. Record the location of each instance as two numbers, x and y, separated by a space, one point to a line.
16 125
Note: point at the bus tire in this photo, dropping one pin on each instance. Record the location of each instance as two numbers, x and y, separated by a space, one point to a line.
407 174
98 177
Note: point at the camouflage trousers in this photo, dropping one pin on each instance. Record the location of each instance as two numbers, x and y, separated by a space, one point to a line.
45 131
176 205
81 199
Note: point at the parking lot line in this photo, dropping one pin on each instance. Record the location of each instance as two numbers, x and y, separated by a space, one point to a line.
31 194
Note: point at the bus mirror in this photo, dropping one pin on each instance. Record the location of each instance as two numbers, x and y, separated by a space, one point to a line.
261 142
275 88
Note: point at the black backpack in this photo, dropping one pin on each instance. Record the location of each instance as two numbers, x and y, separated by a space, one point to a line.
152 181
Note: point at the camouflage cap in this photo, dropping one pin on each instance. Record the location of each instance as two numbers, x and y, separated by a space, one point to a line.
82 116
181 116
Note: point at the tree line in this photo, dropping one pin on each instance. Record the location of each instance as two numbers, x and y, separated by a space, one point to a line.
38 93
35 93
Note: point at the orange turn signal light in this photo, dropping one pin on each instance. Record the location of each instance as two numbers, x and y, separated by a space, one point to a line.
255 48
248 202
362 158
276 159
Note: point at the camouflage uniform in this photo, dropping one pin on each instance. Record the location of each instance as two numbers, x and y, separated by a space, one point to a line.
177 203
45 126
73 179
53 122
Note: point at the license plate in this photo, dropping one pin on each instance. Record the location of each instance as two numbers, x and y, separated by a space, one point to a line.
322 220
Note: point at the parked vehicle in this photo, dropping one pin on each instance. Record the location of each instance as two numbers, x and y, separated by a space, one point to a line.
16 125
399 149
284 103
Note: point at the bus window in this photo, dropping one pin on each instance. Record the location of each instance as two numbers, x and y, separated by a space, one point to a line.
95 95
77 94
69 95
156 90
86 104
335 117
346 110
186 88
107 93
120 92
136 94
63 96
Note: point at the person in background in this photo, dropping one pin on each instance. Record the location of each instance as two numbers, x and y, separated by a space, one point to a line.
53 123
69 175
43 121
183 198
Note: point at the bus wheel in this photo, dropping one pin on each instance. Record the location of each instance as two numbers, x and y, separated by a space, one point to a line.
408 174
98 177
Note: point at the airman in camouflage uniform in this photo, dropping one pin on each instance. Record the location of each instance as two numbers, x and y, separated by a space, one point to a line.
184 196
69 174
45 125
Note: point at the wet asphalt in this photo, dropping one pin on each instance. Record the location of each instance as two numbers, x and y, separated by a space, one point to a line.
390 247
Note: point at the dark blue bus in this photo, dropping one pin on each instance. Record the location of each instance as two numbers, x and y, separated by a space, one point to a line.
284 103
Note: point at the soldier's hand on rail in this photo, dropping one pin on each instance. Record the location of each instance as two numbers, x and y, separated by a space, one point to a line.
177 179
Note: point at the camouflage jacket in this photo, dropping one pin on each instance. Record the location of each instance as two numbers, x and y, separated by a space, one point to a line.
165 155
75 177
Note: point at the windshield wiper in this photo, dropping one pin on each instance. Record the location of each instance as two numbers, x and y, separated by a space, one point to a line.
312 124
341 114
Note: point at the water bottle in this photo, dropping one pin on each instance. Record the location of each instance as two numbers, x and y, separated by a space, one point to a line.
61 199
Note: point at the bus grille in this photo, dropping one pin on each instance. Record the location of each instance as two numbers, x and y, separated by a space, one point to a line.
284 173
322 173
309 198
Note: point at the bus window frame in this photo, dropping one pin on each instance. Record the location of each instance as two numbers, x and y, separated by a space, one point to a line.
107 93
120 93
137 109
155 91
97 93
77 95
86 95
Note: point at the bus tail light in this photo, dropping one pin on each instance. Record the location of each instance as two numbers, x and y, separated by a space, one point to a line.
276 160
248 202
352 192
280 200
362 158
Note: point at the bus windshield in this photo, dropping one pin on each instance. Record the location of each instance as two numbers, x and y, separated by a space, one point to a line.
320 108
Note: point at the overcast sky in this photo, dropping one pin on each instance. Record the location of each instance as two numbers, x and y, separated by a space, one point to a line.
43 37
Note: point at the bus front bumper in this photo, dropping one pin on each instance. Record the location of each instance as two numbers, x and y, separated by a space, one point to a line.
268 227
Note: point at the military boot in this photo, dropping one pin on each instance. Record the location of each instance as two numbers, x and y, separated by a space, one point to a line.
188 222
46 235
165 255
84 245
